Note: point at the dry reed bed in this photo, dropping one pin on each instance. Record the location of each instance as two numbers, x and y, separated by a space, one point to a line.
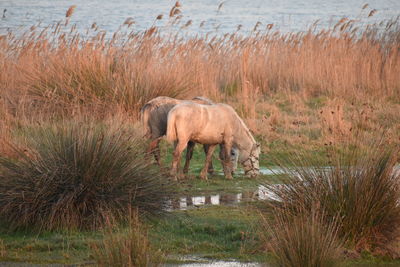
56 72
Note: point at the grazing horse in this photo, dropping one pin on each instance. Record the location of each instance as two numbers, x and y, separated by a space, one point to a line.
212 125
154 116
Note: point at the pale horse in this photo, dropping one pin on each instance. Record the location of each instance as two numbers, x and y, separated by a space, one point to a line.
212 125
154 116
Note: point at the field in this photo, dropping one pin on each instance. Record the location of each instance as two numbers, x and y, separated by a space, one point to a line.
69 109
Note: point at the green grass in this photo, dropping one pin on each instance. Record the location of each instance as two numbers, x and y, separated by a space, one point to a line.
210 232
217 182
215 232
47 247
207 232
316 102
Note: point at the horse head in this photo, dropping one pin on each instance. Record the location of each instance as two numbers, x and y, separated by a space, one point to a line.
251 165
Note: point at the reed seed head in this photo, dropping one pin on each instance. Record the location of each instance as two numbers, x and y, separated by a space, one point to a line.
70 11
373 11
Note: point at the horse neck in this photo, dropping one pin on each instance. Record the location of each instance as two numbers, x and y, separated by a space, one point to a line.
244 141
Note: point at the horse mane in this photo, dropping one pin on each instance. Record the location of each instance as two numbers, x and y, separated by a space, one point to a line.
202 100
245 128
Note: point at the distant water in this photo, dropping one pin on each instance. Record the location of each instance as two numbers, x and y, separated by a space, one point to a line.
286 15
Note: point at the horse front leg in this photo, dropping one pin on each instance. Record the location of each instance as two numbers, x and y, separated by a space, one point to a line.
210 167
189 155
227 162
179 147
210 151
234 157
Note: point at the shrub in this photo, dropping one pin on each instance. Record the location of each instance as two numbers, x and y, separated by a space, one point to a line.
76 175
302 239
126 247
357 186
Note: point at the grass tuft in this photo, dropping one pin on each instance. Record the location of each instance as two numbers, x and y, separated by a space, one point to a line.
126 247
76 175
357 186
302 239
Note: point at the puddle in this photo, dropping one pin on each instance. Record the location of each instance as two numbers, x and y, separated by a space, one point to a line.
218 263
277 170
226 199
261 193
202 262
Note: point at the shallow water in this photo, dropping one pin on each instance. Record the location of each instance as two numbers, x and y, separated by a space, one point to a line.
261 193
225 199
286 15
202 262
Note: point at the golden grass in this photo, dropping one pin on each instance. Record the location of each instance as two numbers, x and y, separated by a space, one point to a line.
269 77
303 239
126 247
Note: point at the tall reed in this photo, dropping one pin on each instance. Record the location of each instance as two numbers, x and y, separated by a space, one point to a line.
56 71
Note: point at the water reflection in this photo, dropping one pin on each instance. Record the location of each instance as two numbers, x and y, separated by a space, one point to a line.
261 193
197 261
227 199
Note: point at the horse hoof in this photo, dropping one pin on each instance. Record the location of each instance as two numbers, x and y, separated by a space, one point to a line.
203 176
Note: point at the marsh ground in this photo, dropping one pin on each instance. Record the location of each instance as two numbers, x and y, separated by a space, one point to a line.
309 91
205 232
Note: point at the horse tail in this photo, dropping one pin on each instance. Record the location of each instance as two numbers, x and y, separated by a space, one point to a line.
171 128
144 117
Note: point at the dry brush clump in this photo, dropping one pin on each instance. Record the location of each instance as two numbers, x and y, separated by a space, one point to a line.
358 188
302 238
76 175
126 246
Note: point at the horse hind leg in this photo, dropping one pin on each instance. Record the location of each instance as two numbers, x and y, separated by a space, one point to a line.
189 155
179 147
154 148
210 151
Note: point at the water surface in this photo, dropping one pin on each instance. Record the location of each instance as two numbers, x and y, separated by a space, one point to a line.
286 15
